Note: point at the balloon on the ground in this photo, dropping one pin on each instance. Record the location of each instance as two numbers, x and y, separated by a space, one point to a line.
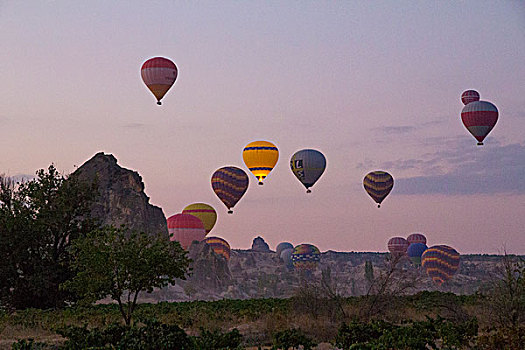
159 75
286 257
378 185
479 117
440 262
397 246
219 246
282 246
469 96
203 211
414 252
416 238
185 228
308 165
306 257
260 157
229 184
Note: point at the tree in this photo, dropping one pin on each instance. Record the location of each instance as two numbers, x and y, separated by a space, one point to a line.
506 306
121 264
39 219
369 271
385 288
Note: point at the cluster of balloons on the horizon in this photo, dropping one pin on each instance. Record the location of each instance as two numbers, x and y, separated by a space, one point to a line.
440 262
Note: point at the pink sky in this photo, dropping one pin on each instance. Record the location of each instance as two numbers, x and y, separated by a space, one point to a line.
371 85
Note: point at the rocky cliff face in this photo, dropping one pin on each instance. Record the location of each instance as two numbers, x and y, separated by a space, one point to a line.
121 197
259 245
253 274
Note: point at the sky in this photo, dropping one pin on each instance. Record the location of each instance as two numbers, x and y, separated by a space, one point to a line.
374 85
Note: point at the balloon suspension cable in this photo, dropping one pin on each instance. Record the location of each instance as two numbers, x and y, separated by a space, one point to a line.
159 103
308 191
480 143
379 205
230 211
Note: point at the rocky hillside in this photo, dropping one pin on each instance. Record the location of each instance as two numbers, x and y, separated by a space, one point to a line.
121 197
255 274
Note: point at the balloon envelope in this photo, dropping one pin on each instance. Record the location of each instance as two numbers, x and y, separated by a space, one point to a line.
159 75
219 246
308 165
440 262
203 211
260 157
479 117
469 96
414 252
397 246
282 246
286 257
229 184
185 229
378 185
416 238
306 257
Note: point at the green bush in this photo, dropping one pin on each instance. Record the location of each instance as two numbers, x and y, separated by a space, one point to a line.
411 335
29 344
292 338
218 341
153 335
150 336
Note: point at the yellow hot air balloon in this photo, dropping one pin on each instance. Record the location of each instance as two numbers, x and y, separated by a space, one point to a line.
203 211
260 157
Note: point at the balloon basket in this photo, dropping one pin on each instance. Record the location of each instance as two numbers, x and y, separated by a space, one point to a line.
261 183
308 191
159 103
230 211
480 143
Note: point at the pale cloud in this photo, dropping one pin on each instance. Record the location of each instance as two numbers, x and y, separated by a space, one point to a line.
465 170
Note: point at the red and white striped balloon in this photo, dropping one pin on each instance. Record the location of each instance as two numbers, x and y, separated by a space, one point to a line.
416 238
159 74
479 117
185 228
469 96
397 245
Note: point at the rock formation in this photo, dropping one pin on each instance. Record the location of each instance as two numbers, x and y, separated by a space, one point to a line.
121 198
259 245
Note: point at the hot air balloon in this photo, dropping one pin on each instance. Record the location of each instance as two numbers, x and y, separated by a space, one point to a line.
185 228
286 257
414 252
159 75
397 246
308 165
260 157
416 238
282 246
479 117
306 257
203 211
229 184
469 96
378 184
440 262
219 246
